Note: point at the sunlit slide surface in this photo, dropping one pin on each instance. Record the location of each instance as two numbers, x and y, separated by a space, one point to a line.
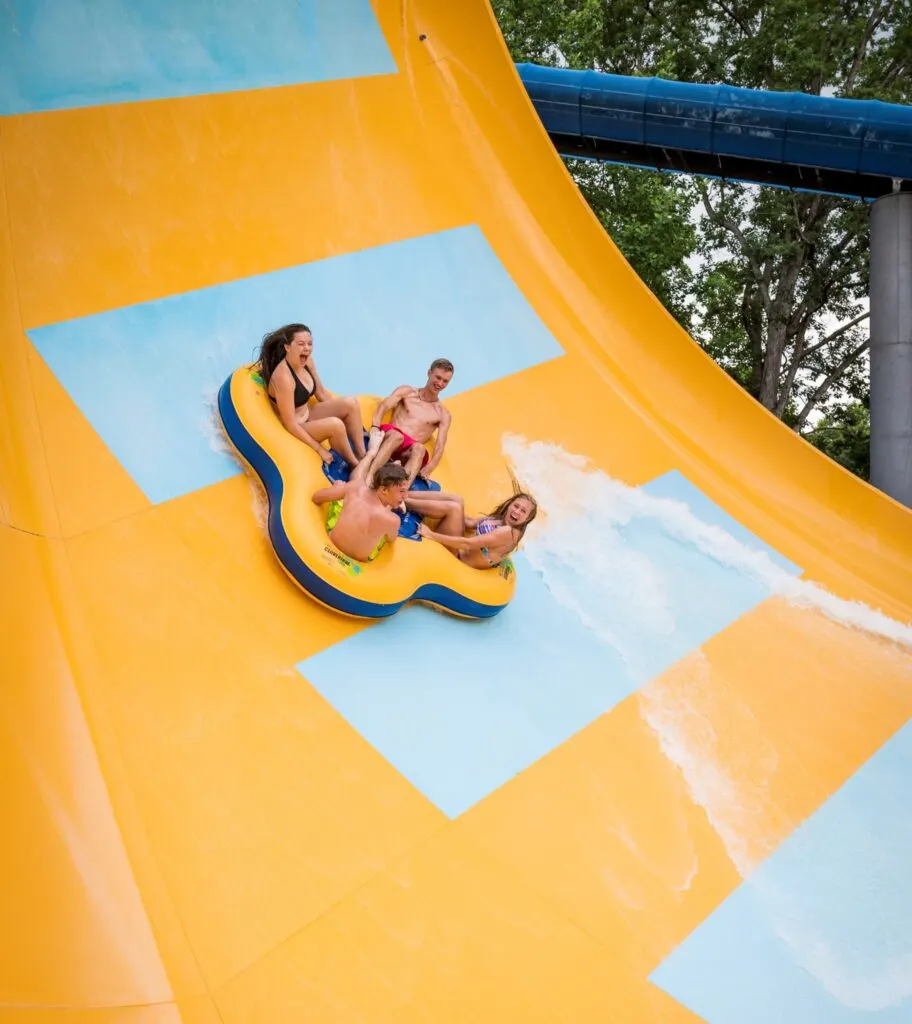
669 782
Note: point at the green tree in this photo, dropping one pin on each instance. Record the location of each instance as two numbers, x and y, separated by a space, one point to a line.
779 298
844 434
784 309
636 207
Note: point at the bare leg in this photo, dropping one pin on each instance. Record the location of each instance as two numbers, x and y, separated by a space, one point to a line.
414 462
392 439
363 469
429 501
347 410
448 508
332 429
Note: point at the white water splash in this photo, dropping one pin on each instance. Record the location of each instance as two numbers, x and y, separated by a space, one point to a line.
584 509
210 426
581 552
732 786
847 926
259 503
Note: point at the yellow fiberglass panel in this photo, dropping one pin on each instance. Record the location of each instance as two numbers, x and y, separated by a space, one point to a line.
685 733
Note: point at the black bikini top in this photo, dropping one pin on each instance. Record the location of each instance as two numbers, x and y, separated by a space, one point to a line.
302 393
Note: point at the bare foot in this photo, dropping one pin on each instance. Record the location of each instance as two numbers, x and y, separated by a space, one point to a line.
364 466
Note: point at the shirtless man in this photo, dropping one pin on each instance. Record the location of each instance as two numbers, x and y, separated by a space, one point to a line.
361 521
417 413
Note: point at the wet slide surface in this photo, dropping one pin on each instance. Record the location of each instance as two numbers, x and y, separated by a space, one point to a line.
668 783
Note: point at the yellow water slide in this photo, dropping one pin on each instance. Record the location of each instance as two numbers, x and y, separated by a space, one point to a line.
669 782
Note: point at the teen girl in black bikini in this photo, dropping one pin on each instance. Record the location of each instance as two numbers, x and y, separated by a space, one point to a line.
286 364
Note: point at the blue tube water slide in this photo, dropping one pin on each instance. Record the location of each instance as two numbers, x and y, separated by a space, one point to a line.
857 148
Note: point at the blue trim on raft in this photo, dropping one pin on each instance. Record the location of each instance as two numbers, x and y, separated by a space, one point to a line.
856 136
296 567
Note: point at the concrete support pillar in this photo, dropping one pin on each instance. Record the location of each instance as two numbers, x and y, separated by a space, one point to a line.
891 346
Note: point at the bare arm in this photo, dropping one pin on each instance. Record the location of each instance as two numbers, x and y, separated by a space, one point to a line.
320 392
442 430
392 531
488 540
284 396
390 403
333 493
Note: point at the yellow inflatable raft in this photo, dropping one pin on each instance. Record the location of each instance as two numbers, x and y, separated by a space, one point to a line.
411 570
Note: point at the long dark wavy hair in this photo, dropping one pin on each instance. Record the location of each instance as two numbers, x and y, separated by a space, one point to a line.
501 511
272 351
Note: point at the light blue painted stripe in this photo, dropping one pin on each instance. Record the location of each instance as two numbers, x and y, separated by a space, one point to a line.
677 487
58 54
821 933
484 701
146 376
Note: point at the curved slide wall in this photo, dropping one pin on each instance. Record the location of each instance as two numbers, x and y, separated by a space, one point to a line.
669 783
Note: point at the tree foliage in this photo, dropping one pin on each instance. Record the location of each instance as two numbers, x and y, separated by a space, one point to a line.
785 314
779 299
637 207
844 434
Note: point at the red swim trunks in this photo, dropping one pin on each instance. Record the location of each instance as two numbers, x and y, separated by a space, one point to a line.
402 451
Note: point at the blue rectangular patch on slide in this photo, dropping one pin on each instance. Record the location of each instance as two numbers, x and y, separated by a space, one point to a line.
146 376
822 930
60 54
674 486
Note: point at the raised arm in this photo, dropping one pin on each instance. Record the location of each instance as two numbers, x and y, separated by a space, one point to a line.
442 430
284 397
390 403
335 492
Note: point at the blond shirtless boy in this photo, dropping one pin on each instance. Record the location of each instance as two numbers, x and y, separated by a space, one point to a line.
417 413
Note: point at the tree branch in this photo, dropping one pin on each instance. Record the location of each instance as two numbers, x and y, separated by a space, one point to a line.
828 382
897 71
790 376
823 430
874 19
732 228
817 211
664 23
753 325
812 300
835 334
745 28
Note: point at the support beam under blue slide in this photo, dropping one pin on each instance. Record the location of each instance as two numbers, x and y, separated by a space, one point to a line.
857 148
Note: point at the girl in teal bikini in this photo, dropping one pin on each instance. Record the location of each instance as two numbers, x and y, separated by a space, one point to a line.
482 542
